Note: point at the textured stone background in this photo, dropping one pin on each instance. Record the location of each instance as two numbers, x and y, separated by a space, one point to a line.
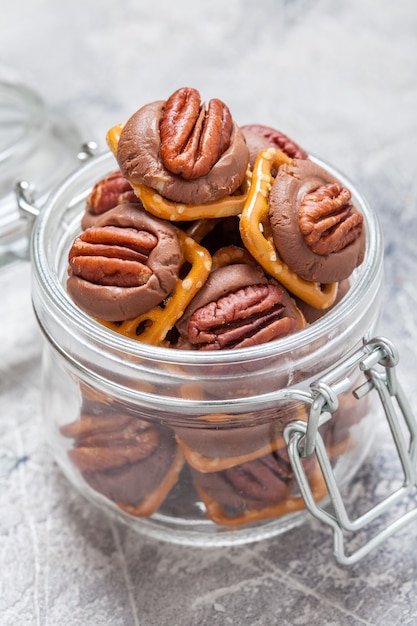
340 76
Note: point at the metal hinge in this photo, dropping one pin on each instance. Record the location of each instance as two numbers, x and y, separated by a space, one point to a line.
377 359
25 192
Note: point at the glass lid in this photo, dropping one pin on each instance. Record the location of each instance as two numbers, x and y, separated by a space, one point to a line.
22 115
38 145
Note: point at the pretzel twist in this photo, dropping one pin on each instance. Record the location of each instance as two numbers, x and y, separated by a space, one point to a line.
113 136
199 229
229 255
159 321
256 234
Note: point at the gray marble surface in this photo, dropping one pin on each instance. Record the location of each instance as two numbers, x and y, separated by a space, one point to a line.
340 77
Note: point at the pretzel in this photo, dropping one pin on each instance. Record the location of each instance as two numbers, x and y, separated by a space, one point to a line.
177 212
201 228
113 136
229 255
159 321
256 234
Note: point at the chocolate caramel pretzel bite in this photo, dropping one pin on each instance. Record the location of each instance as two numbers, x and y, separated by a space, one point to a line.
254 228
315 227
125 265
129 461
106 194
255 490
183 151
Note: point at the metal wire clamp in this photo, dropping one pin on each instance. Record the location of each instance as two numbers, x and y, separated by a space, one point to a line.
377 359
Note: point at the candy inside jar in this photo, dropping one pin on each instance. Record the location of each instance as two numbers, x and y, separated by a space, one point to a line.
204 278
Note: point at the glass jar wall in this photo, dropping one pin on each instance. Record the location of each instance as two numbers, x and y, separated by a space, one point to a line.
188 446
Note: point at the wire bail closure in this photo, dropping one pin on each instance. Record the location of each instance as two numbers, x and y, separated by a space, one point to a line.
377 359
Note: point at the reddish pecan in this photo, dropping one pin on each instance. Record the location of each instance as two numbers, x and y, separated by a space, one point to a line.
112 450
192 137
248 316
93 431
112 255
277 139
328 220
102 442
264 479
91 425
267 479
107 193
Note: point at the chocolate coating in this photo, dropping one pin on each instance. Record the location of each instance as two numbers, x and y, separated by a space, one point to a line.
288 190
113 303
138 155
255 143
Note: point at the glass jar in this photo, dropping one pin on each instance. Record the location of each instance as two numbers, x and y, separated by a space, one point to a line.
191 447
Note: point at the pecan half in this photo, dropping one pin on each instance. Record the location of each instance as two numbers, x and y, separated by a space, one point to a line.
108 192
264 479
192 137
93 430
248 316
112 255
103 442
328 220
90 425
101 453
238 306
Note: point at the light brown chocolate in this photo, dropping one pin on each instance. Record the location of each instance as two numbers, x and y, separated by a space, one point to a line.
255 143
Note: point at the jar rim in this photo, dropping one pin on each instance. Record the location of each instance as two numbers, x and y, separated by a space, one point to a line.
365 276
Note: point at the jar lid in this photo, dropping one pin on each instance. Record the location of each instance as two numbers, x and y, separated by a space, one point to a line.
37 144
